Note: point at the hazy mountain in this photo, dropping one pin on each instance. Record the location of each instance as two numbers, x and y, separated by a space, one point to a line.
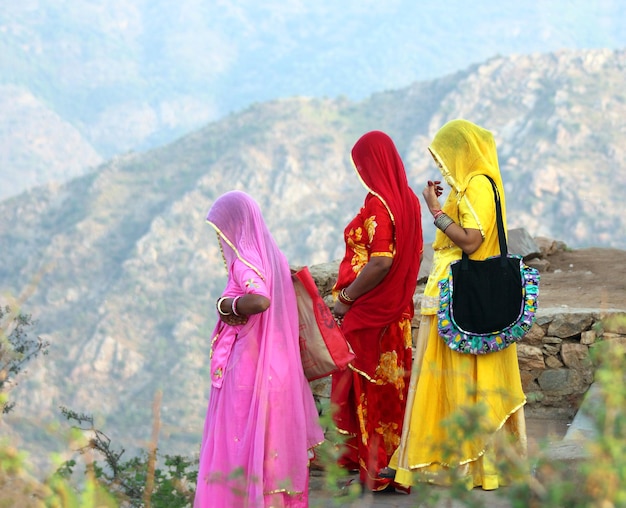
132 75
36 145
124 272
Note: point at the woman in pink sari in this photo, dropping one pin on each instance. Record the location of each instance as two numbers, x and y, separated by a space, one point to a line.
261 421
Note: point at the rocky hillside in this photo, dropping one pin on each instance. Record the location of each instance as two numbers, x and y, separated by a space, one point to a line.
123 270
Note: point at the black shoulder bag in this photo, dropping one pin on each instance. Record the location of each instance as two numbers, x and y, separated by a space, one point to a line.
484 306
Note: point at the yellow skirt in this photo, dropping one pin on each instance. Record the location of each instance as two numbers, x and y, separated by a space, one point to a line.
464 416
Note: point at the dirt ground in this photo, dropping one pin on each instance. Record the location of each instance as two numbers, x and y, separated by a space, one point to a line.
585 278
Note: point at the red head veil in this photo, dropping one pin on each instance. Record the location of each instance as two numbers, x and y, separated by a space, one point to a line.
381 170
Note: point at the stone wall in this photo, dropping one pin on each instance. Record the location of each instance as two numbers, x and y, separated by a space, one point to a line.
555 357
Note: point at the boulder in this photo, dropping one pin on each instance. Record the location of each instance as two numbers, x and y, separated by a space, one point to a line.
521 243
325 276
576 356
569 325
546 245
540 264
427 261
535 335
530 357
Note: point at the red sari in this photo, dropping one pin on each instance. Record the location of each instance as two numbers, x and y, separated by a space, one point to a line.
370 398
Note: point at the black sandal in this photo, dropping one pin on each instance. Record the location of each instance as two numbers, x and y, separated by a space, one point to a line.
387 473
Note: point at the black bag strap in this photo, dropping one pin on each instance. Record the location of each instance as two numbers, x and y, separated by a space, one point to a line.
501 236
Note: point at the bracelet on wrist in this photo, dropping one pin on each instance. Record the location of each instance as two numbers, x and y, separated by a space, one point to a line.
437 214
233 306
219 306
344 298
443 221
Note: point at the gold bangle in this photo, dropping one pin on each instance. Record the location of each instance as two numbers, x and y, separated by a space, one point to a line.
344 298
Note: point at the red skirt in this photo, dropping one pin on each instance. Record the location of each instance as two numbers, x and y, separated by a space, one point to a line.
369 411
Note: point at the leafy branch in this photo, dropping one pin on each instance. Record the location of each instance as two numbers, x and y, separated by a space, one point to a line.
17 348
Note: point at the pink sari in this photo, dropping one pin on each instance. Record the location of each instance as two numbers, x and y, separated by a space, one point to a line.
261 420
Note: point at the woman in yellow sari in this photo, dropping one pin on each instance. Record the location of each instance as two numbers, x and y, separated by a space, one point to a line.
460 405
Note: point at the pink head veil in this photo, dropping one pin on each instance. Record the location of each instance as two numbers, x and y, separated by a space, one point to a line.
242 231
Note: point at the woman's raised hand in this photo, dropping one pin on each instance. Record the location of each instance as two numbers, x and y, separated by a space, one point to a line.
437 186
431 193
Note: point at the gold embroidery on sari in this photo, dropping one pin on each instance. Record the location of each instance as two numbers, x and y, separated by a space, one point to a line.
388 371
213 341
390 434
370 226
381 254
360 258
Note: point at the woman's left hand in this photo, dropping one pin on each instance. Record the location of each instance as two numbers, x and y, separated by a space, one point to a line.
232 320
339 311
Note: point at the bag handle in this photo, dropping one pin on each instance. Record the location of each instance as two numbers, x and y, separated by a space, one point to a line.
501 236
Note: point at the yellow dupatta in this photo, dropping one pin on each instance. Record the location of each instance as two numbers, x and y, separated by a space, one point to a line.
463 150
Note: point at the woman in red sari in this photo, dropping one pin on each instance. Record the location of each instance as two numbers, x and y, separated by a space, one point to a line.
374 305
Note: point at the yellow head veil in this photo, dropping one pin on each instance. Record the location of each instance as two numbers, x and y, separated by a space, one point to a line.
463 150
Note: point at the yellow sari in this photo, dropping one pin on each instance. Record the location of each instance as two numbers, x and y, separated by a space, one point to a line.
460 405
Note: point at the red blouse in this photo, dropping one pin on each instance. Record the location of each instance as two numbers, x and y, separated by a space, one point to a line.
369 234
